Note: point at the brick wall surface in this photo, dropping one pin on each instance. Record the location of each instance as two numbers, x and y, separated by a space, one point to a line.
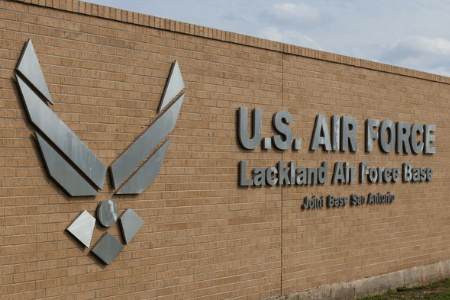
204 237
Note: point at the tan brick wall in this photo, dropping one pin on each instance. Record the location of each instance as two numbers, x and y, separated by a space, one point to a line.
204 237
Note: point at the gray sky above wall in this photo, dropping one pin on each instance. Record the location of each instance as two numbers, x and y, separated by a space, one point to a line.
408 33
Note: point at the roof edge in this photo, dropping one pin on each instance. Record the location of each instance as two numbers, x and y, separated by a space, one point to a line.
125 16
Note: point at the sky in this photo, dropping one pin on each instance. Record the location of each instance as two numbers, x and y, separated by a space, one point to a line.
413 34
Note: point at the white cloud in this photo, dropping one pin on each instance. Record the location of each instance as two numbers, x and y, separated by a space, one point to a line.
420 53
289 37
293 12
271 33
444 71
349 27
436 46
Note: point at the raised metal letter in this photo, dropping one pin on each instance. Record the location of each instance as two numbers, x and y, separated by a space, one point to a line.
403 134
335 129
370 135
249 143
317 140
428 138
280 121
350 129
416 147
387 146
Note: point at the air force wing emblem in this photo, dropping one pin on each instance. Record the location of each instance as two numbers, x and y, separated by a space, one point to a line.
70 162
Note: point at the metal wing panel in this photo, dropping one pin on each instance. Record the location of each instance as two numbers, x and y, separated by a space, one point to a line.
145 144
29 67
61 135
146 174
69 179
174 86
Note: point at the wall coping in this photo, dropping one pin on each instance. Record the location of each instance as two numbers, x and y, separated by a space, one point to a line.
120 15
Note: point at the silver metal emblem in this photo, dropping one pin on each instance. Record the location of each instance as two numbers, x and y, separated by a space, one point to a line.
76 157
107 213
174 86
30 69
130 224
80 172
145 144
107 247
83 228
62 172
51 126
145 175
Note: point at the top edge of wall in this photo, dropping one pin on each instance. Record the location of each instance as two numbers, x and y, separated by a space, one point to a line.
129 17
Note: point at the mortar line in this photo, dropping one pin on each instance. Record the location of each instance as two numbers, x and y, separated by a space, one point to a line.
281 187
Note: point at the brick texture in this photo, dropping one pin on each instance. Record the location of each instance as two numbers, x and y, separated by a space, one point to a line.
204 237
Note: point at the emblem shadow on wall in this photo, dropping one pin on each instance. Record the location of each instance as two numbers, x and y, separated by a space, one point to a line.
80 172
